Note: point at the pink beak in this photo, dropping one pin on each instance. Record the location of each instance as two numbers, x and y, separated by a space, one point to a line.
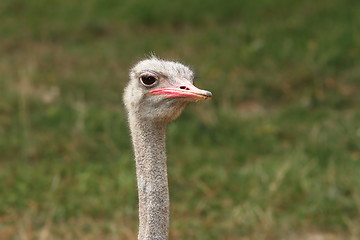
186 90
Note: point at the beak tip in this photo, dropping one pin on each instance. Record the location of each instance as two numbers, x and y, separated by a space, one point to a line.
208 94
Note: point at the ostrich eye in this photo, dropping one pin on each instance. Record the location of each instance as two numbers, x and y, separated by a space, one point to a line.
148 80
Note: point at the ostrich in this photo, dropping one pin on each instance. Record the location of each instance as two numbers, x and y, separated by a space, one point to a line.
156 94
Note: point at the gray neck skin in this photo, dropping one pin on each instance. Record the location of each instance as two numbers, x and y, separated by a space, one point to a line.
150 155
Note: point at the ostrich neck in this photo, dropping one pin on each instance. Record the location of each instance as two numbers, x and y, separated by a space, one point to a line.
151 172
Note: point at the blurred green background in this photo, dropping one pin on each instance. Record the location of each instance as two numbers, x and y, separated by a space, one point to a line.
274 155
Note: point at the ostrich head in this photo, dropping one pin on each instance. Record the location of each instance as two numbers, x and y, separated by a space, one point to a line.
159 90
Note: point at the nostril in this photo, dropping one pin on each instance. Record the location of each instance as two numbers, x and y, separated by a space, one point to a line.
184 87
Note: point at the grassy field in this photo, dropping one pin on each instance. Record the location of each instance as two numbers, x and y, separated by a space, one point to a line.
274 155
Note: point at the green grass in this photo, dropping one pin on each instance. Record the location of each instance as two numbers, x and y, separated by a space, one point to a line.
274 155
